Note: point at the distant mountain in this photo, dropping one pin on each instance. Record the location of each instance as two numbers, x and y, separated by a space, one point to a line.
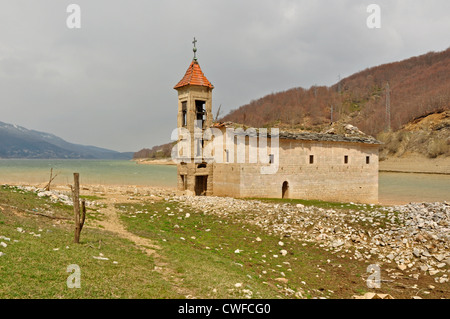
19 142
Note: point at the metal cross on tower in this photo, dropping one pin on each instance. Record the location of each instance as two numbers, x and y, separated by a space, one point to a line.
195 49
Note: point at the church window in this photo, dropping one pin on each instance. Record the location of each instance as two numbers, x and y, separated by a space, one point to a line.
201 112
184 111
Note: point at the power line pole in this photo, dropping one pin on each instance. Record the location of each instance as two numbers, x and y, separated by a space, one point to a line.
388 107
331 114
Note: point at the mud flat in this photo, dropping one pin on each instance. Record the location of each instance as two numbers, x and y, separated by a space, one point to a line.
163 161
416 164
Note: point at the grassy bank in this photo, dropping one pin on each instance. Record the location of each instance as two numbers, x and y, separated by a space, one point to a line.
40 249
219 258
198 254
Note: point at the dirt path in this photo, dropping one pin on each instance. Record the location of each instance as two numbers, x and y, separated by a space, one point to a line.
112 223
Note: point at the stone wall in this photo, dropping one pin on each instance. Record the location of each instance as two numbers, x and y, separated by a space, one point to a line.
328 178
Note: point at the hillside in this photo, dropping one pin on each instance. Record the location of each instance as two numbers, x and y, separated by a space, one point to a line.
156 152
418 86
19 142
427 135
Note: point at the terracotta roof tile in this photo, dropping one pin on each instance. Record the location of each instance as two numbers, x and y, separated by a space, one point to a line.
194 76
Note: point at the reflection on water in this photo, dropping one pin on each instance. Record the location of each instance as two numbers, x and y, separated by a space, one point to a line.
394 188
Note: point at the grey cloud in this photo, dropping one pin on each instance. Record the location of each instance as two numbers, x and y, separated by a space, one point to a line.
110 84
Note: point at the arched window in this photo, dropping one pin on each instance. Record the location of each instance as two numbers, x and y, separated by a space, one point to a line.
285 190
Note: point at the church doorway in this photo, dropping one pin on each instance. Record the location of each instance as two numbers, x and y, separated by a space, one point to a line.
285 190
201 185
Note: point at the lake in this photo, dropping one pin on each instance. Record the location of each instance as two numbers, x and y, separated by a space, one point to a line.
108 172
394 188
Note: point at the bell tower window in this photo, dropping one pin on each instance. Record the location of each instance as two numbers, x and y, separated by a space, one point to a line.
184 113
200 111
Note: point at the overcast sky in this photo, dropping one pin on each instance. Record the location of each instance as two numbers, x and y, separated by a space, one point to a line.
110 83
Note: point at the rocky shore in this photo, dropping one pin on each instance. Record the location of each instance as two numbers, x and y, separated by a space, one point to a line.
408 240
404 240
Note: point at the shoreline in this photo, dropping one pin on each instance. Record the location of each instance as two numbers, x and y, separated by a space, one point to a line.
415 164
144 190
408 165
147 161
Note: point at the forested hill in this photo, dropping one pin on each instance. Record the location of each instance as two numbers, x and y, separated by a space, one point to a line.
417 86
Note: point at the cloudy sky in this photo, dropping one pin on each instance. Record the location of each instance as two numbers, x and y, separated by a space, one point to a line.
110 83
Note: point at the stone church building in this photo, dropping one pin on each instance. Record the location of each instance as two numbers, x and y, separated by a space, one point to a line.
330 167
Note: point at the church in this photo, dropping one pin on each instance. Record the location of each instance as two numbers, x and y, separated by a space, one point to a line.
227 159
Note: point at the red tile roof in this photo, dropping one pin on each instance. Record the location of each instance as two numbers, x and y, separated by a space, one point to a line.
194 76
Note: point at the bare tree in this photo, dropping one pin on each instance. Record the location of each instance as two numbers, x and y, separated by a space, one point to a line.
218 113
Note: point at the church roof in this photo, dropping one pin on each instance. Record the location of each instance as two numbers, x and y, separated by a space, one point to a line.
194 76
351 135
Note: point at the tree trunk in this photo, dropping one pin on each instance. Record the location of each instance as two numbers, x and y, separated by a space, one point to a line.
76 206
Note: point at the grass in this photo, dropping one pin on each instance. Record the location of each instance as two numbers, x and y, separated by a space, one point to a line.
317 203
211 255
34 264
207 255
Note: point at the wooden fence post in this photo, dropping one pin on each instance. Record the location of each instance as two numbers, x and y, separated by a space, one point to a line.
80 216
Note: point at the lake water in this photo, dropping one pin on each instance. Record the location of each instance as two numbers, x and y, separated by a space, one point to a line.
108 172
394 188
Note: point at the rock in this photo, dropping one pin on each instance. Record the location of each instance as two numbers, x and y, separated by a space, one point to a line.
441 265
3 244
338 243
390 256
283 252
298 295
237 251
416 253
282 280
258 239
1 254
433 272
189 193
100 258
358 255
371 295
416 297
280 243
402 267
238 285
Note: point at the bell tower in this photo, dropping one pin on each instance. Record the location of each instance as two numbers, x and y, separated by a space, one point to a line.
195 116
